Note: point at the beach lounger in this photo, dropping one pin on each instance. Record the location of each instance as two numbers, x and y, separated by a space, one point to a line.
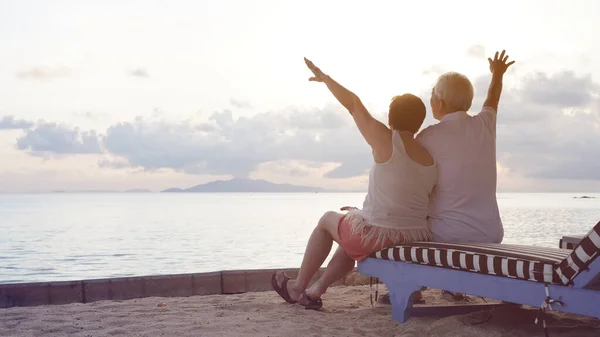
551 278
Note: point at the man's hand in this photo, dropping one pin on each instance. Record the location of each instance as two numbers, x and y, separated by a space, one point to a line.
319 75
348 208
498 65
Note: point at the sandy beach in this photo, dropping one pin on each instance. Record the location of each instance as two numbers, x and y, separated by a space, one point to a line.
347 312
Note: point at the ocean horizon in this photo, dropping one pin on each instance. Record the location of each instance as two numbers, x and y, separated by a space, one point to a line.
73 236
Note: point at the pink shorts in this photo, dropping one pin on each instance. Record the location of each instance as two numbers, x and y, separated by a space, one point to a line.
353 244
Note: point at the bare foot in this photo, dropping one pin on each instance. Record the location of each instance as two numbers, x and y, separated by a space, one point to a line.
315 291
293 292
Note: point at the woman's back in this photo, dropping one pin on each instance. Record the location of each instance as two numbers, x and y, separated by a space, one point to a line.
399 189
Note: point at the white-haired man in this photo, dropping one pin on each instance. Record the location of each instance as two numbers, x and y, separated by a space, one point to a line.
463 205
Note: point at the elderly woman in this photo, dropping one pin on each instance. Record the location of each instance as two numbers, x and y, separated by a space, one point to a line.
395 207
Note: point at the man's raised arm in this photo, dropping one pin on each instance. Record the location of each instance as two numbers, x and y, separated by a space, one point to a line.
498 67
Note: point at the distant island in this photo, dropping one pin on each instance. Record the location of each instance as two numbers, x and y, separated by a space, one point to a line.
241 185
244 185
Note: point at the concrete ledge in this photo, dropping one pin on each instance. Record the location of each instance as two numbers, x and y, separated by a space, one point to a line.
170 285
30 294
65 292
180 285
242 281
207 283
114 289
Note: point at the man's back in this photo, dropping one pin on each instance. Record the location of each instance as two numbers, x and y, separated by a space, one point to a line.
463 205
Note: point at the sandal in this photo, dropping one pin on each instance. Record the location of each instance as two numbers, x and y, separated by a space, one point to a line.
282 291
309 303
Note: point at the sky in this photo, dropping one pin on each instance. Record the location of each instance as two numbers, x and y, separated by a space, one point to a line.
157 94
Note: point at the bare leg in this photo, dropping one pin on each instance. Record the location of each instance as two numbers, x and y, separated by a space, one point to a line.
317 250
340 265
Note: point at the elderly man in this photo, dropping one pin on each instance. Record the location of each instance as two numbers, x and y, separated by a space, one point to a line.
463 205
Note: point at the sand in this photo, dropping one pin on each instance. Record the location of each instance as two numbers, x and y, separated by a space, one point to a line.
347 312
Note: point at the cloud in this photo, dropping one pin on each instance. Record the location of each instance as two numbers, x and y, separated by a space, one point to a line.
350 168
561 146
240 104
113 164
328 119
139 72
564 89
43 73
206 127
58 139
548 129
306 173
10 123
236 146
477 51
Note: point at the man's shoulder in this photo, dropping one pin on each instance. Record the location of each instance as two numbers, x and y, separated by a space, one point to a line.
427 130
488 116
426 134
487 112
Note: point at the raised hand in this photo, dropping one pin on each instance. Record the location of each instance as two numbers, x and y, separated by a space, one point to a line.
319 76
498 65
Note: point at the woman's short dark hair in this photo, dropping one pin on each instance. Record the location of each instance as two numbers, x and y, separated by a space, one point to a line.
407 113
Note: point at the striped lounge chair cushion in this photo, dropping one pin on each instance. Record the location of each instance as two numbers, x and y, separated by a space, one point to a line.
580 257
514 261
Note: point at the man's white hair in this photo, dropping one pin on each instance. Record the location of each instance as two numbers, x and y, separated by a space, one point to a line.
455 90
